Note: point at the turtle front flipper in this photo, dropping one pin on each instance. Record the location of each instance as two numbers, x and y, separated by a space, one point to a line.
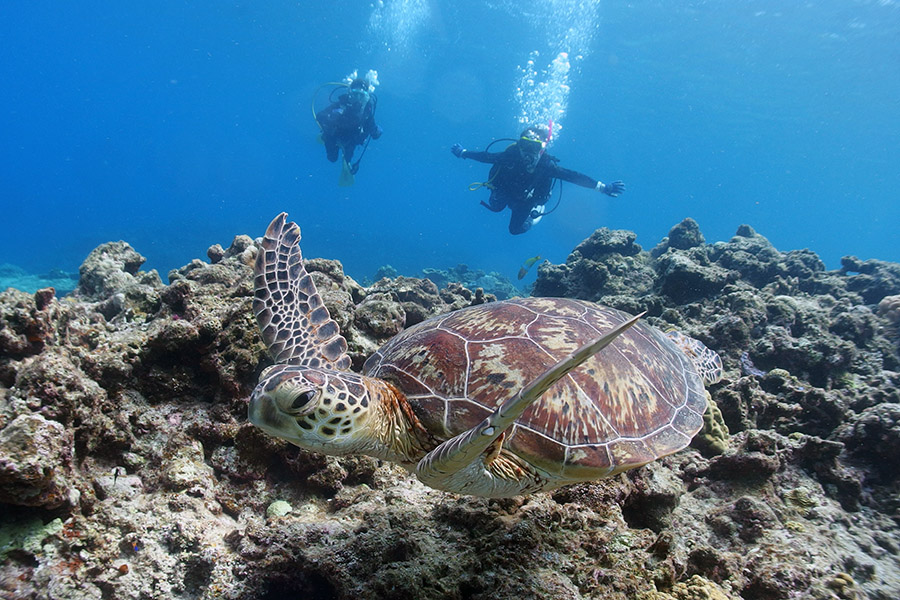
293 322
459 464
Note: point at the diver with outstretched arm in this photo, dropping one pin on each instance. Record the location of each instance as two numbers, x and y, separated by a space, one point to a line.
522 177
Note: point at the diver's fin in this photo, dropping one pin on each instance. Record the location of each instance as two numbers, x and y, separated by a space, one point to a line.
346 178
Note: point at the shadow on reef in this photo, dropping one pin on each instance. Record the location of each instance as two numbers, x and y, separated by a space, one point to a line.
128 468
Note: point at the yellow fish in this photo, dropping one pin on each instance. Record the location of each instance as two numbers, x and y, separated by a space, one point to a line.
527 265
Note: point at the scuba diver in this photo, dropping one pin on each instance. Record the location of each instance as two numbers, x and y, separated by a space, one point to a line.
348 122
522 178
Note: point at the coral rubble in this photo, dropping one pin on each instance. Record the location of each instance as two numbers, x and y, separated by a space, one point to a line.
129 470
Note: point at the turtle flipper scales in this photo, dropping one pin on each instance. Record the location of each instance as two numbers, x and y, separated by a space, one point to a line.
707 362
293 322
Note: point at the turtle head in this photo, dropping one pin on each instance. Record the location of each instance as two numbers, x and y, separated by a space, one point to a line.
318 409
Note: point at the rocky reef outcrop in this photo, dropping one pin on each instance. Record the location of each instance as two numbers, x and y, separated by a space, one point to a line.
129 470
492 283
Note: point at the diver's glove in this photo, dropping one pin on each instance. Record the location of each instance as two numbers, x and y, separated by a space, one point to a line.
457 150
377 133
611 189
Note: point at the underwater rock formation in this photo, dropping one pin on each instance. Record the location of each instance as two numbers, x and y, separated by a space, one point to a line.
605 265
128 468
493 283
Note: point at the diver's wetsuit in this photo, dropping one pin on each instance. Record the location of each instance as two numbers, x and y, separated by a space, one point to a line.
345 126
513 186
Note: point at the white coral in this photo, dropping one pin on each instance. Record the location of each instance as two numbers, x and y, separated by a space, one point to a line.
889 308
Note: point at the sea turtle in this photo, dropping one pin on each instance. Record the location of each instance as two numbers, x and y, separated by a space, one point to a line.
495 400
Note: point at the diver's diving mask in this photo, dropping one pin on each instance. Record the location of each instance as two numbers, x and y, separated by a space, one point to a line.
358 96
531 149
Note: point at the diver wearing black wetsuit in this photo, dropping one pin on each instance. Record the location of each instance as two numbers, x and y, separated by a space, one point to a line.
349 122
522 177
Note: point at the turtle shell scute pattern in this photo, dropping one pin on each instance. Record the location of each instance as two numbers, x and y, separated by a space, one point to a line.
637 400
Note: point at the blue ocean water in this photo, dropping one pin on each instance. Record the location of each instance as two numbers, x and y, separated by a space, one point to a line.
176 125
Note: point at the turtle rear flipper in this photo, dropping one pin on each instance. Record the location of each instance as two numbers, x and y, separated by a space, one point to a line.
457 465
707 362
293 322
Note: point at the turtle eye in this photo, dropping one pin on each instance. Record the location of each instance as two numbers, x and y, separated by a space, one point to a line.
302 399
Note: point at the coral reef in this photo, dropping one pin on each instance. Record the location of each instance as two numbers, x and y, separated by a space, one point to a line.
602 268
129 470
493 283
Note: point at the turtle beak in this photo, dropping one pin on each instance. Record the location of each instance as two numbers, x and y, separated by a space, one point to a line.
264 412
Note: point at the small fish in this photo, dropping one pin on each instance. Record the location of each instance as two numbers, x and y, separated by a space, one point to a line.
527 265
